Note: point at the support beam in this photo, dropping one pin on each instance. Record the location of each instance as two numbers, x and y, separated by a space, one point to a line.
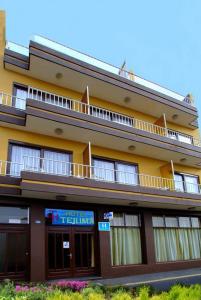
85 99
87 160
37 243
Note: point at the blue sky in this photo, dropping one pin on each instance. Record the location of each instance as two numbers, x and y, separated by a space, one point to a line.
160 40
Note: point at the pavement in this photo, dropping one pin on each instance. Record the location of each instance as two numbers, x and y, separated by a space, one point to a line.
160 281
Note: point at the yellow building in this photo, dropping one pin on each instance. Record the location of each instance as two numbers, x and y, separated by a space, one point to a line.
99 168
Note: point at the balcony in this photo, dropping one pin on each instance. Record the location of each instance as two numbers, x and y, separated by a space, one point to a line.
52 180
100 64
95 173
45 59
96 112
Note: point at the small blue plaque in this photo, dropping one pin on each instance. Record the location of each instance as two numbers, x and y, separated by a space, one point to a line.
103 226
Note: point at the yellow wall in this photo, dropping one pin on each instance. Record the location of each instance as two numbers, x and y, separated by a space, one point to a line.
7 134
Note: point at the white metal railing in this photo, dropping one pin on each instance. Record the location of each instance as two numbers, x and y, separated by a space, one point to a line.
67 169
100 64
98 112
13 101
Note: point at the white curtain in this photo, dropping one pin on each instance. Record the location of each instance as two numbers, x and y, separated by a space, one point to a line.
104 170
56 163
127 174
191 184
178 181
20 98
24 158
125 240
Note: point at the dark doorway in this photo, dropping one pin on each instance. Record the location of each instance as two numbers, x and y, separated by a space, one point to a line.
14 252
70 251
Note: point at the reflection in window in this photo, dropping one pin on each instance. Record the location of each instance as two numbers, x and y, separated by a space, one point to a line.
14 215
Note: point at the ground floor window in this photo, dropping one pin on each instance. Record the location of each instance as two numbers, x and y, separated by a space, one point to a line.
125 239
177 238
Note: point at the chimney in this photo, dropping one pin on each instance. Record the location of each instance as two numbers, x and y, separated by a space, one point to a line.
2 30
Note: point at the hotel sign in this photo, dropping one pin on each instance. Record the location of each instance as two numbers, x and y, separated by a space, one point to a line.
69 217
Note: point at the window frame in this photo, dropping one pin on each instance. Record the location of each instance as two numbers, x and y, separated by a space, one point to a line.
21 86
184 182
38 147
115 162
177 217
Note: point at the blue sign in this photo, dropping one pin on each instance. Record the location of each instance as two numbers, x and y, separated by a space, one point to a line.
69 217
103 226
108 215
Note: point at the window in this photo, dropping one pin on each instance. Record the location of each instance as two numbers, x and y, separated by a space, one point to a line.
115 172
14 215
186 183
20 96
110 116
180 137
125 239
56 163
176 238
38 160
24 158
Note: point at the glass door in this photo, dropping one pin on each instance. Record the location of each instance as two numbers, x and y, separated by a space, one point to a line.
84 251
59 252
14 255
70 252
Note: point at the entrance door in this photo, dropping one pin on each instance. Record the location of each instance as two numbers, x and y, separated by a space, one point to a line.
14 256
70 251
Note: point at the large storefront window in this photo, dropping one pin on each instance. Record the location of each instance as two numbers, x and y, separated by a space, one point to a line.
177 238
125 239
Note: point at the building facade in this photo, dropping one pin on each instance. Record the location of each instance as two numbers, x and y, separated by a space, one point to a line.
99 168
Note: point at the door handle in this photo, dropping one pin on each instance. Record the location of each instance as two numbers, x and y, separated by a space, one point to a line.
70 255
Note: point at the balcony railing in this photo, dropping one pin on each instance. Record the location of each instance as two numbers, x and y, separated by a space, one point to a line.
80 107
100 64
68 169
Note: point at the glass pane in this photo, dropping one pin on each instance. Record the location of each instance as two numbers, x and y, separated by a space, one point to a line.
132 220
118 220
178 180
158 221
191 183
24 158
66 250
12 249
84 250
51 251
21 252
195 222
103 170
184 222
56 163
14 215
20 99
127 174
2 251
59 250
171 222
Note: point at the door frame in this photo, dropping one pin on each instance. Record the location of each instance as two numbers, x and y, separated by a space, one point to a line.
75 272
18 228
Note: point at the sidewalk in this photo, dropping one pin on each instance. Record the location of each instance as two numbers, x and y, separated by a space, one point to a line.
160 281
